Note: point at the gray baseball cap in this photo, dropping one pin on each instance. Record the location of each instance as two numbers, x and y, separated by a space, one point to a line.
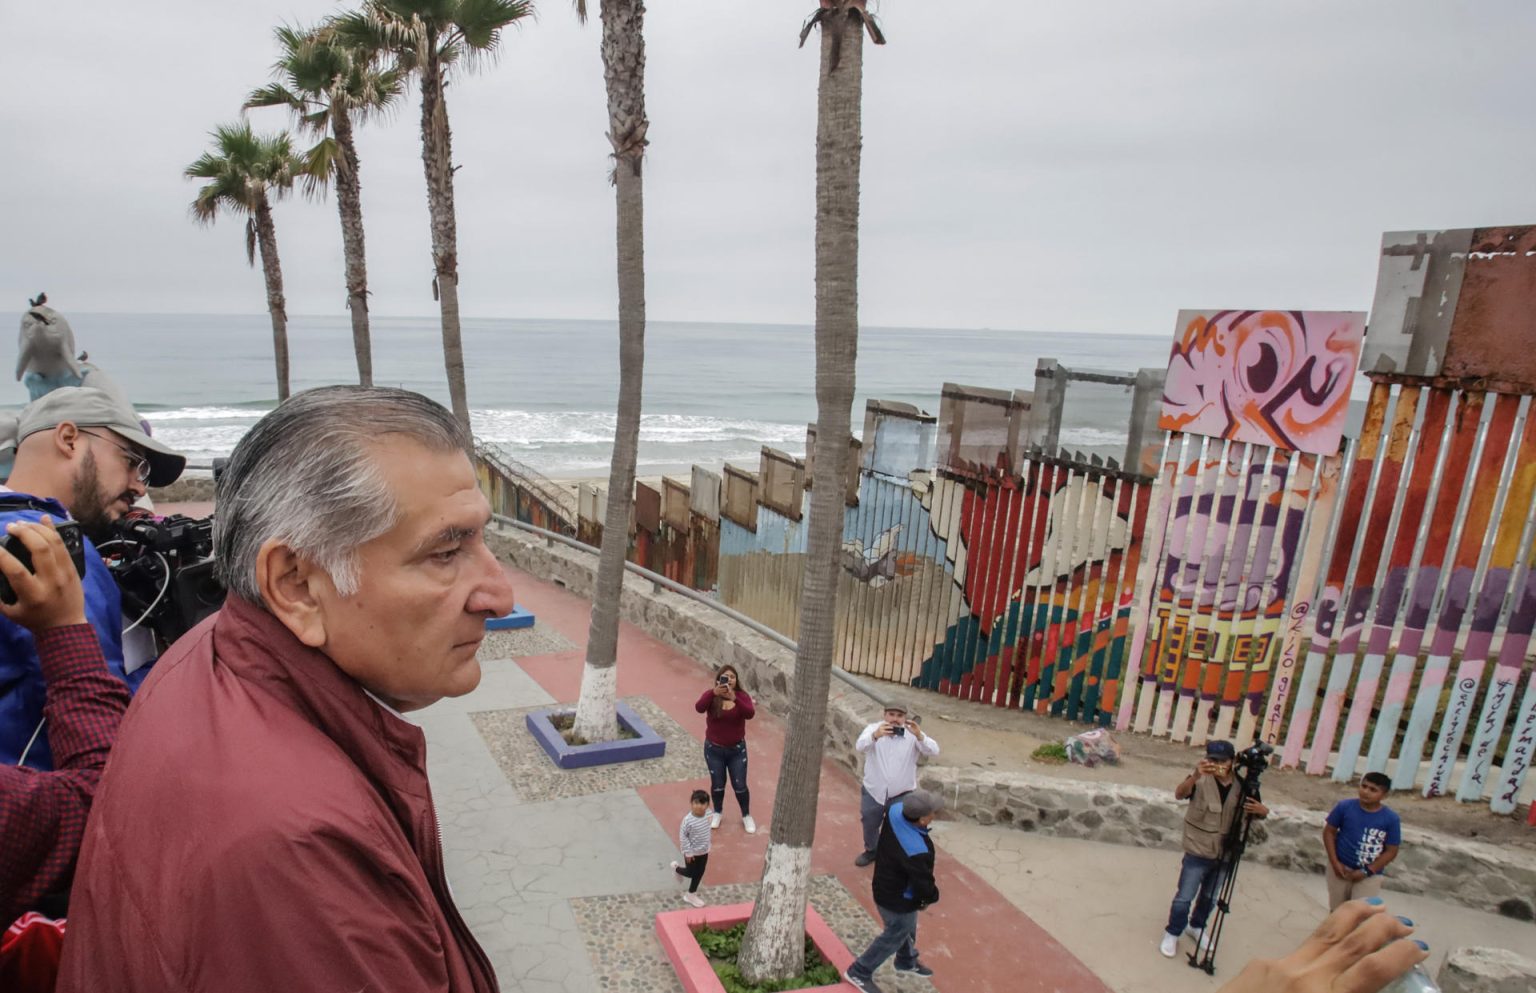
919 804
85 407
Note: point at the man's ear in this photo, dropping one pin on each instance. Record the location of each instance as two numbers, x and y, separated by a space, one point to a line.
66 438
289 584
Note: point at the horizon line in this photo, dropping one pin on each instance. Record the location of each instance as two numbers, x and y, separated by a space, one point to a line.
649 321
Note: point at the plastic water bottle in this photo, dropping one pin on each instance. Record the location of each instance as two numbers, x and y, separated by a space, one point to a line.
1415 980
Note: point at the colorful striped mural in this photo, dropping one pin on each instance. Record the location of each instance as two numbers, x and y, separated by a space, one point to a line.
1246 572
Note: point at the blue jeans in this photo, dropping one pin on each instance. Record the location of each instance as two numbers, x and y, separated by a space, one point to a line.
732 759
899 938
872 815
1199 880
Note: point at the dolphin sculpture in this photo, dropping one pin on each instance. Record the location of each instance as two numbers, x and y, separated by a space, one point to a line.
45 349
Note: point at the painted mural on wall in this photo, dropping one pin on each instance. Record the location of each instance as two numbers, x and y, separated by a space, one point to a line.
1045 563
1231 547
1267 377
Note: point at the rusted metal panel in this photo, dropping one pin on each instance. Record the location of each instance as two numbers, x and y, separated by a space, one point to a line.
1493 333
782 489
851 477
740 497
704 494
979 430
674 503
647 507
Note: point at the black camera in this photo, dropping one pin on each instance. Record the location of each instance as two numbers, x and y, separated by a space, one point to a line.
1255 758
899 730
74 543
722 680
164 569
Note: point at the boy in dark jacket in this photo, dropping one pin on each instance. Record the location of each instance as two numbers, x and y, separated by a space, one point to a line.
903 885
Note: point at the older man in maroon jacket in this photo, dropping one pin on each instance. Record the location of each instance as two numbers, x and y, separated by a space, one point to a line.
266 822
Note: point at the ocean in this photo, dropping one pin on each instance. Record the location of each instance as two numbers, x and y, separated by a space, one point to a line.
546 389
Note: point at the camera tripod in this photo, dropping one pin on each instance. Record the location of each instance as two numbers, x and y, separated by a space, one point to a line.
1254 762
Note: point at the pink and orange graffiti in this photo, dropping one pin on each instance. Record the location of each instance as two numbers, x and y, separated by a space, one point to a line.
1269 377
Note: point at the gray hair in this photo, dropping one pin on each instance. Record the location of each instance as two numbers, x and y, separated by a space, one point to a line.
304 476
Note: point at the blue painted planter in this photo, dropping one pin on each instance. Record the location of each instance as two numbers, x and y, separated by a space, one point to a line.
649 745
519 618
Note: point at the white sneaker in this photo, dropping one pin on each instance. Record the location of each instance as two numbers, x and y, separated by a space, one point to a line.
677 873
1194 934
714 821
1170 945
693 900
748 823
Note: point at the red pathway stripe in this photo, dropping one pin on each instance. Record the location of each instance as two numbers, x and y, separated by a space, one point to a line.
974 939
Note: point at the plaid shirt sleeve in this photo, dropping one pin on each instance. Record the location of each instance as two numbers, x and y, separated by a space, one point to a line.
42 814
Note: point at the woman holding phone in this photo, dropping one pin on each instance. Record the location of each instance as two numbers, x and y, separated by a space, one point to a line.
727 708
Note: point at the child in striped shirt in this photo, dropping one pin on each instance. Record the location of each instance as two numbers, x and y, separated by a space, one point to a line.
693 838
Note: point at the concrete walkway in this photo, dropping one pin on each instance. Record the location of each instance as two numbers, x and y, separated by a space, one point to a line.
561 873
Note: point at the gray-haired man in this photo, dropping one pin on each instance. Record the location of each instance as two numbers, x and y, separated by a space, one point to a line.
266 821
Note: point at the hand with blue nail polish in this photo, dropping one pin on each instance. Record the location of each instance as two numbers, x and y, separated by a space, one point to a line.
1355 950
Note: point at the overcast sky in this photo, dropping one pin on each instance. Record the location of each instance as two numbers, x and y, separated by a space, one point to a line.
1088 166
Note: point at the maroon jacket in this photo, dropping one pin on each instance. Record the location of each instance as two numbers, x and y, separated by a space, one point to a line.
728 727
263 825
42 814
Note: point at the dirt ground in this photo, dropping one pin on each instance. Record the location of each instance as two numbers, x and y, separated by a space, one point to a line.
988 737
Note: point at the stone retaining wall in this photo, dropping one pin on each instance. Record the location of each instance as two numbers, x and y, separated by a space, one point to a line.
1471 873
1487 970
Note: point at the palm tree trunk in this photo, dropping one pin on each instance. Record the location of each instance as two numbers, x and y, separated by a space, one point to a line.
624 70
437 158
272 269
349 204
774 944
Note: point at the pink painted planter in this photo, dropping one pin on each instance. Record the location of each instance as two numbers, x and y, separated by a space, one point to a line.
675 929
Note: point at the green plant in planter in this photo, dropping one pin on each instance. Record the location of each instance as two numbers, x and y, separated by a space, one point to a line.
1052 753
722 947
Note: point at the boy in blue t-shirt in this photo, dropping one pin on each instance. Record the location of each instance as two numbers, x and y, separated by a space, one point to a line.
1361 837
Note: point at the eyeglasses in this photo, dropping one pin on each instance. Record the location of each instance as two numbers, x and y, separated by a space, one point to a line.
137 463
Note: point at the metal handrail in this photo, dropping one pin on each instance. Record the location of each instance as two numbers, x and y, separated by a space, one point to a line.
662 582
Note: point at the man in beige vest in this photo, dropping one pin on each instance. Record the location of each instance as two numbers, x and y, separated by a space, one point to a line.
1213 793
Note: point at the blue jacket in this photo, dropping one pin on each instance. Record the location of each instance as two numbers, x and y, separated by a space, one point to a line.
21 676
903 879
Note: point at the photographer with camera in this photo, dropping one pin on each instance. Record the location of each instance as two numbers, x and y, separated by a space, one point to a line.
81 454
891 748
727 708
42 814
1215 798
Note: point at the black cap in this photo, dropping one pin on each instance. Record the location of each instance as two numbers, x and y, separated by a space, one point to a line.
1220 750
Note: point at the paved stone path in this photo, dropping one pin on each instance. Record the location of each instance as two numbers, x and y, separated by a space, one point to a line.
561 873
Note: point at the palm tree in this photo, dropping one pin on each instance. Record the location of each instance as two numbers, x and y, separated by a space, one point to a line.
774 944
330 87
427 37
624 70
245 172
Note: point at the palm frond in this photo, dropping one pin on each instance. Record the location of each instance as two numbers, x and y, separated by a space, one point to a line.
250 242
581 10
318 165
241 170
275 95
479 23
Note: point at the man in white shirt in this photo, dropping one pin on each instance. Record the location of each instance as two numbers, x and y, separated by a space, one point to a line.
890 748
